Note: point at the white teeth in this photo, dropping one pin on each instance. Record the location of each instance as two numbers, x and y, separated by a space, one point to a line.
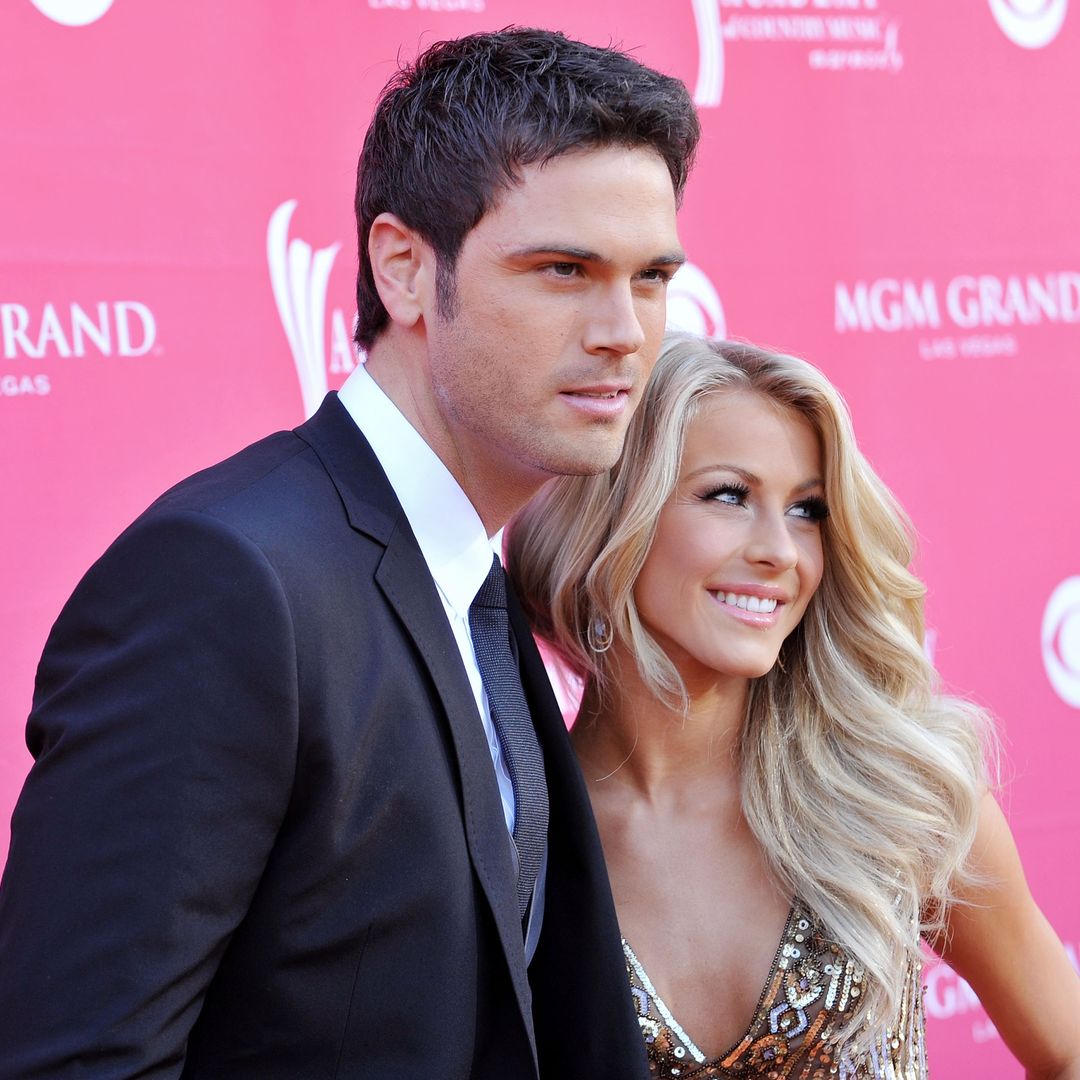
748 603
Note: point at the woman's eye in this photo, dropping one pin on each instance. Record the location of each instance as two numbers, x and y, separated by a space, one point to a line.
728 495
814 509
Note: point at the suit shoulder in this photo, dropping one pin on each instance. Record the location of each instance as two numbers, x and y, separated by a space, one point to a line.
264 466
241 507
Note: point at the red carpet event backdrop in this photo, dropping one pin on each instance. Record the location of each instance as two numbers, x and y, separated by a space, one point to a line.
887 187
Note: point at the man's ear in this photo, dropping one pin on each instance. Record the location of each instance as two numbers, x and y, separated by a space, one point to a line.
402 264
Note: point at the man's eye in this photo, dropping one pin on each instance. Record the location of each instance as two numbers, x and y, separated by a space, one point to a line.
660 277
563 269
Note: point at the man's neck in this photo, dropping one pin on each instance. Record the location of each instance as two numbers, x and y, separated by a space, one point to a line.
495 491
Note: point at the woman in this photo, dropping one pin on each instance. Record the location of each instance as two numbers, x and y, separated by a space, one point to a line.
786 804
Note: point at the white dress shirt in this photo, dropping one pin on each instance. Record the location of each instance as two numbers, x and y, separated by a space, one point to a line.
455 546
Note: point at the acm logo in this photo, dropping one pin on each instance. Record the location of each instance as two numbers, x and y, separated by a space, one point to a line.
299 276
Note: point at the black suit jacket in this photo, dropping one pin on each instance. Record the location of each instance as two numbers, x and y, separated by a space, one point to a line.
263 837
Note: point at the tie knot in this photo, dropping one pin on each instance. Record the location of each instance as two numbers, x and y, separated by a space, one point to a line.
492 594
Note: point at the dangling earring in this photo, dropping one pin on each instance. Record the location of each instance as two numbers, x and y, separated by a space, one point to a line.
599 634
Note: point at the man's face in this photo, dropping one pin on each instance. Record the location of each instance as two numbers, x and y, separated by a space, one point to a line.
557 318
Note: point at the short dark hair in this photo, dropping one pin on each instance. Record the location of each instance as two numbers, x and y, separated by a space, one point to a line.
452 129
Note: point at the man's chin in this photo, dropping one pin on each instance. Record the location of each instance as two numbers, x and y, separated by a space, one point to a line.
577 452
586 465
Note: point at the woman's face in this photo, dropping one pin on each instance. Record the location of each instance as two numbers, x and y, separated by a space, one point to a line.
738 549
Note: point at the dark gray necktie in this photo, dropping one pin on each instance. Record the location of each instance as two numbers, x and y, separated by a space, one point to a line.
490 626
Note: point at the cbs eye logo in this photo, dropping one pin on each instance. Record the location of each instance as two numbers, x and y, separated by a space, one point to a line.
693 304
1061 641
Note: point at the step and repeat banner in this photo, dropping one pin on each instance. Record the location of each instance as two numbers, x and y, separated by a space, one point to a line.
887 187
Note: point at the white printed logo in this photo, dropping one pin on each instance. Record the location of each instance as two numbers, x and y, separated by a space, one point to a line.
1031 24
73 12
968 301
299 278
971 316
1061 641
710 80
947 995
693 305
833 35
59 331
122 328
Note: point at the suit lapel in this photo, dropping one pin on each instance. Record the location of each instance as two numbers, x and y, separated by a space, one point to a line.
407 586
583 961
404 580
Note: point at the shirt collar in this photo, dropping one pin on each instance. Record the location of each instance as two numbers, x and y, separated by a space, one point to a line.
448 529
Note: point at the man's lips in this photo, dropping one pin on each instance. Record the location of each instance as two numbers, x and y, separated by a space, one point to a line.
604 400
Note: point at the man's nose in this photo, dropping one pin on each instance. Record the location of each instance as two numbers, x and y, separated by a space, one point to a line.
614 325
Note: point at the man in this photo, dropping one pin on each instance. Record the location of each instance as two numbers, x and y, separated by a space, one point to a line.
288 817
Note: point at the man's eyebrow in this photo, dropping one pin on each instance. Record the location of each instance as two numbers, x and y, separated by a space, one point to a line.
669 258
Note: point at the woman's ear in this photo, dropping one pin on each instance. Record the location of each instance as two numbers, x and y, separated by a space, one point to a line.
402 265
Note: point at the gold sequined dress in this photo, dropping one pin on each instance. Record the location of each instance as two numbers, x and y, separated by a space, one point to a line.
811 988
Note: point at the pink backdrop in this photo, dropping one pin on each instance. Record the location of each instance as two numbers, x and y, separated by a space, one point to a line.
887 187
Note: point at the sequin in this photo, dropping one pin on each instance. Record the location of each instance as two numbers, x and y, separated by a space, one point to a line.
811 989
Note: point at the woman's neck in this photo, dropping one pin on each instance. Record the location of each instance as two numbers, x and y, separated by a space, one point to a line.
629 737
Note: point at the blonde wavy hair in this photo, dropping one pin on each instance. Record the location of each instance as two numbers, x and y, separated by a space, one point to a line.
860 781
